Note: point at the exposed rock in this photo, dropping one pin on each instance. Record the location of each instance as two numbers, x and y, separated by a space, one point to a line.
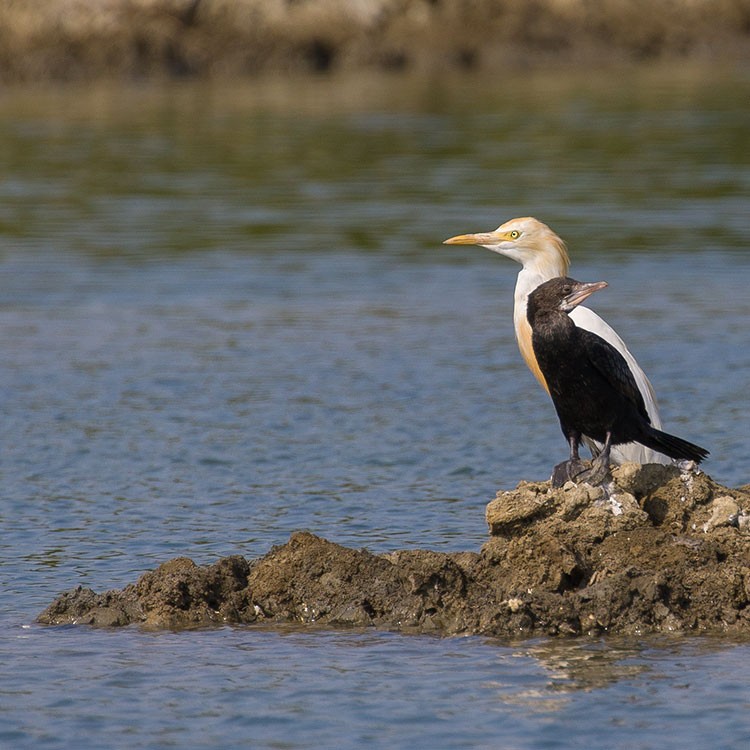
660 549
725 512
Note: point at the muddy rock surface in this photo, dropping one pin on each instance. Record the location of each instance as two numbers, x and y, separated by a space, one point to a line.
659 550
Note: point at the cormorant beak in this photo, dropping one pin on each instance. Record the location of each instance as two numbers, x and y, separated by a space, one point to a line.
581 291
481 238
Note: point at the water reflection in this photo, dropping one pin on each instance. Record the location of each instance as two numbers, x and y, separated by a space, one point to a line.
578 666
656 164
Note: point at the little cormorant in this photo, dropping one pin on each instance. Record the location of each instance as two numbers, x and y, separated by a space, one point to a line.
591 385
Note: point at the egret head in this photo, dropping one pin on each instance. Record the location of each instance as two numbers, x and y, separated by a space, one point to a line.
528 241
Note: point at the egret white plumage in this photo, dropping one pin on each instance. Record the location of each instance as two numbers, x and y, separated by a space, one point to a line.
544 256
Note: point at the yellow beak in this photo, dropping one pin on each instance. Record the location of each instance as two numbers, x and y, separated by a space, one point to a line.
481 238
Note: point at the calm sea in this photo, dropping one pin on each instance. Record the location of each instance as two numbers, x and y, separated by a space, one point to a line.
226 314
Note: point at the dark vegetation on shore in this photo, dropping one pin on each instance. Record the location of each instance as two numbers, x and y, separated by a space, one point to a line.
81 40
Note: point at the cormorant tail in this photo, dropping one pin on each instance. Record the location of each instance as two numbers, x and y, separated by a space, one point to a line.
674 447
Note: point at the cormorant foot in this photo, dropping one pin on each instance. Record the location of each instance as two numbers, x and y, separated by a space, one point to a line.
569 471
594 472
598 473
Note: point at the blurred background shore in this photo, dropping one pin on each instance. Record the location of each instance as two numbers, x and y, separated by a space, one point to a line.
81 40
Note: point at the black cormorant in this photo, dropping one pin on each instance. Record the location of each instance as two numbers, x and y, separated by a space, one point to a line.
591 385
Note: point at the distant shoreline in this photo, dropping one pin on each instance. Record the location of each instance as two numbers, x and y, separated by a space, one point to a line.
79 40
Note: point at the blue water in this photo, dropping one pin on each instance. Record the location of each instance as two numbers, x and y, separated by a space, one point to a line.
223 321
237 688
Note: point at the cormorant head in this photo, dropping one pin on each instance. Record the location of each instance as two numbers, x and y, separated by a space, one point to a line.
560 294
529 242
576 292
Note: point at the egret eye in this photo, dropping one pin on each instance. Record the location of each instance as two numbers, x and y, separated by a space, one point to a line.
514 234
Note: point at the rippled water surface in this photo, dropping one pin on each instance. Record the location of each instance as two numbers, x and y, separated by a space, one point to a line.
226 314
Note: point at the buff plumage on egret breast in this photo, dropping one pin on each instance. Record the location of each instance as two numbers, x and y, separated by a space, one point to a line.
544 256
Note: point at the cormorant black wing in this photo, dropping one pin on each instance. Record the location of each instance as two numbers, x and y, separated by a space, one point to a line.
613 368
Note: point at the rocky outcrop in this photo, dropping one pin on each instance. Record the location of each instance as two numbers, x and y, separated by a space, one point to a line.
659 550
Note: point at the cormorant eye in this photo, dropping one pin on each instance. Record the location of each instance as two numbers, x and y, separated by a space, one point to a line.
514 234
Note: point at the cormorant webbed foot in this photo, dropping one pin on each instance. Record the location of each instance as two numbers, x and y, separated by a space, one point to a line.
598 473
569 471
594 472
